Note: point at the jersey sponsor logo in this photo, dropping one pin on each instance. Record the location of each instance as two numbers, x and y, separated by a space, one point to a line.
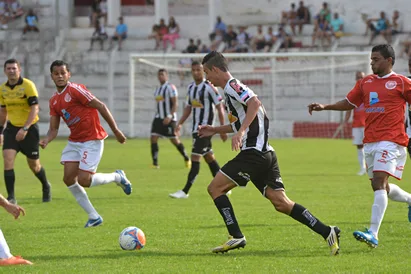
390 85
196 104
232 118
236 87
375 109
66 115
159 98
67 97
373 98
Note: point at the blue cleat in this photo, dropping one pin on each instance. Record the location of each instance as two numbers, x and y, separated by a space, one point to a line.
124 183
94 222
409 213
366 237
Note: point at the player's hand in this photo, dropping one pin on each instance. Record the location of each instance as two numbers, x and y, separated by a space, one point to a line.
236 141
205 131
120 136
177 130
21 134
1 139
14 210
166 121
43 143
315 107
224 136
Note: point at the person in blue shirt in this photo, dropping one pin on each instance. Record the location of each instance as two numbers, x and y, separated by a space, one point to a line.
219 25
120 34
31 22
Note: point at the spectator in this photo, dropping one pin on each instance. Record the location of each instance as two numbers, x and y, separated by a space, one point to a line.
16 10
219 25
258 40
337 26
198 43
120 34
99 34
292 18
204 49
381 27
191 48
3 15
285 38
270 39
173 33
31 22
184 64
230 37
218 39
406 49
103 11
397 23
158 32
95 12
324 13
323 31
303 16
243 39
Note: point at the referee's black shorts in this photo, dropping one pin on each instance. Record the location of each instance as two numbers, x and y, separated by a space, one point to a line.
30 144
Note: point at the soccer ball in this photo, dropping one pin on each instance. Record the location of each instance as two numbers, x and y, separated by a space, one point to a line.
132 238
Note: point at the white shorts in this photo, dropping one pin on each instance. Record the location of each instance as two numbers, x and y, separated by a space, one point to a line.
385 156
357 135
88 154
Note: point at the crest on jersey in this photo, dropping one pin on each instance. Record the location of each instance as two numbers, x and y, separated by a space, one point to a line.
390 85
232 118
67 97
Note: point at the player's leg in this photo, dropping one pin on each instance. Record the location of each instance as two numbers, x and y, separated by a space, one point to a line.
70 179
155 134
168 131
92 152
210 158
6 258
9 155
269 182
192 174
30 147
358 136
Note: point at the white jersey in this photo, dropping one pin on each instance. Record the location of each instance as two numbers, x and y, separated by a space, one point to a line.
202 98
164 104
256 135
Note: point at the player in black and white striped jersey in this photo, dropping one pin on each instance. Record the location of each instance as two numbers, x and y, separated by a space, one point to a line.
256 161
202 98
165 118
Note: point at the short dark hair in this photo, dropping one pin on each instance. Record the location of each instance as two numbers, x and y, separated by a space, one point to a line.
195 63
59 63
162 70
11 61
386 51
215 59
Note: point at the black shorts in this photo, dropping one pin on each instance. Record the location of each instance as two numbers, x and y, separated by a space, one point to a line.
259 167
29 146
158 129
201 146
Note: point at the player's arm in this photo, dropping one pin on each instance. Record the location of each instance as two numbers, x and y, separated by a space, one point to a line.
220 113
186 114
14 210
340 106
105 113
347 116
52 132
175 105
34 111
253 105
3 118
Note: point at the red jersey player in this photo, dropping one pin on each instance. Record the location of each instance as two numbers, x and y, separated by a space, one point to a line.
358 125
384 95
79 109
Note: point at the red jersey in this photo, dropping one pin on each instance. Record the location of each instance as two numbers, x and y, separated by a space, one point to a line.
358 119
384 101
72 105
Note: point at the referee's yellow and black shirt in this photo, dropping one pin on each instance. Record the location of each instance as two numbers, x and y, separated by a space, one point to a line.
18 99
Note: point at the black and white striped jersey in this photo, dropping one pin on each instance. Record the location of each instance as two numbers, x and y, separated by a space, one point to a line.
164 104
202 98
256 135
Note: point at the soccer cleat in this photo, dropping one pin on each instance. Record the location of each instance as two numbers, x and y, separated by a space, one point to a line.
228 193
366 237
232 243
124 183
333 240
12 200
47 194
409 213
94 222
179 195
188 164
361 172
15 260
155 166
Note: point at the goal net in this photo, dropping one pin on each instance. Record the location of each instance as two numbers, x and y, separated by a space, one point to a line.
285 83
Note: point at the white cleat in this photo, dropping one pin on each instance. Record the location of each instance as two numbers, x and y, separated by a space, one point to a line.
179 195
361 172
228 193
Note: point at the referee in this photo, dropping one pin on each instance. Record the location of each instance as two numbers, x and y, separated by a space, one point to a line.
19 107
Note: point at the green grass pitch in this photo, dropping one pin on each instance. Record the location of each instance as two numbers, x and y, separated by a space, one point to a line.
319 174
